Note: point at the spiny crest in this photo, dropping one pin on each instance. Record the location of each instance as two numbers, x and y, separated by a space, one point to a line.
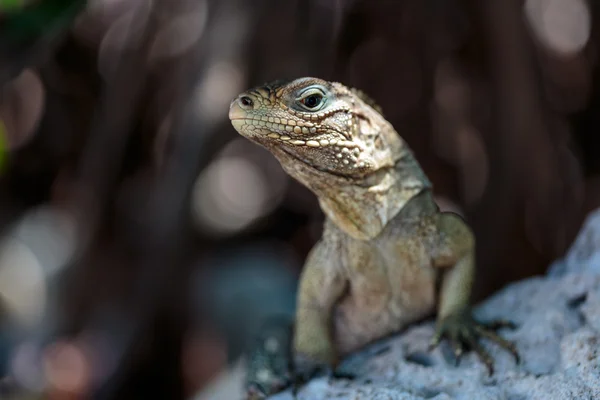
364 97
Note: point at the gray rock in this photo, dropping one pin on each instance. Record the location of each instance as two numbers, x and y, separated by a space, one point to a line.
558 337
584 254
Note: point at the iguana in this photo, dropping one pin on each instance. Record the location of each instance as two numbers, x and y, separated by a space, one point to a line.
387 257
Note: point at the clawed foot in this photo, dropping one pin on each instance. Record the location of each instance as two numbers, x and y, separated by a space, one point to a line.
306 369
269 359
464 332
302 373
257 391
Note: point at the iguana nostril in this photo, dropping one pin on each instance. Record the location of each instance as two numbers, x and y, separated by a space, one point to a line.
246 102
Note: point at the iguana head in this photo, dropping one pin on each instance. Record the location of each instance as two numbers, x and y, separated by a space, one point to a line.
323 125
336 142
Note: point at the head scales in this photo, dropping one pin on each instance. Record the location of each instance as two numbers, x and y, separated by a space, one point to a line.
343 135
336 143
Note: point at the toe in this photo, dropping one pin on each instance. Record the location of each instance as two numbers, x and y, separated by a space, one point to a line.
483 355
499 324
505 344
457 348
343 375
255 392
436 339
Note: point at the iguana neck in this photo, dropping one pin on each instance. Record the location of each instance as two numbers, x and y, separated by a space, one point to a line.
363 207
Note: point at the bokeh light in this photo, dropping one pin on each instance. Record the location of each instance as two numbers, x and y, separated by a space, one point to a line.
236 190
564 27
21 107
22 282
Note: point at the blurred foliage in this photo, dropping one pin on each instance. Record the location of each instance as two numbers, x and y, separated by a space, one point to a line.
126 195
11 5
3 146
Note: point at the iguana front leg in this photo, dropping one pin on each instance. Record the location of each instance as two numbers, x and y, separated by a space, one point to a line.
322 284
455 252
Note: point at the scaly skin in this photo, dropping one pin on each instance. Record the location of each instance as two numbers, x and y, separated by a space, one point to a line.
385 242
269 358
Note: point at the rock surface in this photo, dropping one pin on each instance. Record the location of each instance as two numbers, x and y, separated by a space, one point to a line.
558 337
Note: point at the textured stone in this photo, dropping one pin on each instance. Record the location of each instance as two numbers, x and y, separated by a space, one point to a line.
558 318
558 337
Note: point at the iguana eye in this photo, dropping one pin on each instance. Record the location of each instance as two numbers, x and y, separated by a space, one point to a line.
312 99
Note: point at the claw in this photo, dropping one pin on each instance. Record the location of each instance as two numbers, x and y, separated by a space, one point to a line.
457 348
435 340
461 329
500 341
305 373
499 324
483 355
254 392
299 380
308 371
343 375
458 352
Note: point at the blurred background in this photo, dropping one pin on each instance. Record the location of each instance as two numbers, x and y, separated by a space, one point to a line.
141 238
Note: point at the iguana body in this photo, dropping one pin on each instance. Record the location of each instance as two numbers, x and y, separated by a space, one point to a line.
388 256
